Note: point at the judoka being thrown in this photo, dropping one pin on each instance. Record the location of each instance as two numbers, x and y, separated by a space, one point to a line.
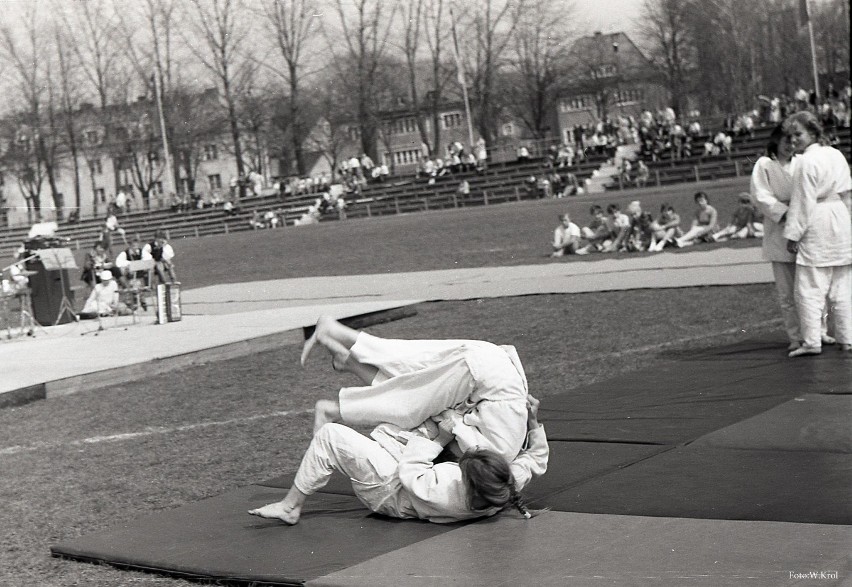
422 396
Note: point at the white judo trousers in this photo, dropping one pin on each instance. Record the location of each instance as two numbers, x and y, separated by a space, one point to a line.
813 286
484 384
371 469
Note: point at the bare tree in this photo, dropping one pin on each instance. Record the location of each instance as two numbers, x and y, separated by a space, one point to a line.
365 29
665 27
488 30
223 33
92 26
831 29
134 145
25 156
541 37
294 25
69 98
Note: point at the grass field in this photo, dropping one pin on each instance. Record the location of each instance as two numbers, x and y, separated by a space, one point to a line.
86 462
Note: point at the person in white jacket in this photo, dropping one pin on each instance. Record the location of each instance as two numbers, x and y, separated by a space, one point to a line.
818 230
411 484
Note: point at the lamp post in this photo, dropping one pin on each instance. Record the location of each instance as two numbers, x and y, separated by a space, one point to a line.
617 79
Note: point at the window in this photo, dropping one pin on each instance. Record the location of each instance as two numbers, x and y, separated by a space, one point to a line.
630 96
92 137
211 152
95 167
606 70
157 187
100 195
452 119
215 181
576 103
508 129
408 157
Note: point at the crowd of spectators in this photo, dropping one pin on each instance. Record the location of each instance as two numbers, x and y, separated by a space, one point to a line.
610 230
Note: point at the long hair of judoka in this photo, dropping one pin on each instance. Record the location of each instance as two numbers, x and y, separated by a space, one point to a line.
488 476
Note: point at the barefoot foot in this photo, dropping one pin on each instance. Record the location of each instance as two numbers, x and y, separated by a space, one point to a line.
280 511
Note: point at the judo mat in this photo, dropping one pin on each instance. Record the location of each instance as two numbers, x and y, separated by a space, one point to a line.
724 467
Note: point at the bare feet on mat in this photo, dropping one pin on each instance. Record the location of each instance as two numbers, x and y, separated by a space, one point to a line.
279 510
793 346
805 350
325 411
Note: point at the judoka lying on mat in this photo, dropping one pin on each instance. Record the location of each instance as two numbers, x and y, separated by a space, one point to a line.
470 396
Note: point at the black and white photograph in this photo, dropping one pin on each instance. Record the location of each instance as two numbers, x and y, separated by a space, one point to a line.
417 293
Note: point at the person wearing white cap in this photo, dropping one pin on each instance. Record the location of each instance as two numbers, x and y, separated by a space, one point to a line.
104 299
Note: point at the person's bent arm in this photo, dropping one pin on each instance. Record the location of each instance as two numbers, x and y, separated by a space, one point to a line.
762 195
498 426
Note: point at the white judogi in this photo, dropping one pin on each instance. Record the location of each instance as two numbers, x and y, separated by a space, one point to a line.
412 485
480 386
819 220
771 188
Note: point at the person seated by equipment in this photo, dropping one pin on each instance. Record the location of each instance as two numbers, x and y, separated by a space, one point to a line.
744 222
135 281
96 261
104 299
566 237
162 253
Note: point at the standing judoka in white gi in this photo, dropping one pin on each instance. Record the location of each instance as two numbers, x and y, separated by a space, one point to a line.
424 394
771 189
819 231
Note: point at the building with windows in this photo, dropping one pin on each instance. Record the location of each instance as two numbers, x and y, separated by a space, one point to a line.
118 148
609 77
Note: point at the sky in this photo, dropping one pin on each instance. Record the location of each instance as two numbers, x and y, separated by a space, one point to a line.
607 16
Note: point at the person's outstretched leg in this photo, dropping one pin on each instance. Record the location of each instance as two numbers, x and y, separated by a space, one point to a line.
335 447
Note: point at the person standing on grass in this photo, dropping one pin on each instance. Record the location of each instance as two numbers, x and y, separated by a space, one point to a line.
422 396
818 230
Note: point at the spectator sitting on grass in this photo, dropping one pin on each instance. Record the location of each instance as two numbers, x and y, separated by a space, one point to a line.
665 228
596 233
639 234
743 223
619 228
523 154
566 237
705 223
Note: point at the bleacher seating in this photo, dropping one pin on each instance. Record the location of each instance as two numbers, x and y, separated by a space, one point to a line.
745 150
501 182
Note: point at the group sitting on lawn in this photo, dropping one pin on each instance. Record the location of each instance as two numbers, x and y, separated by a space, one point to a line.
635 230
